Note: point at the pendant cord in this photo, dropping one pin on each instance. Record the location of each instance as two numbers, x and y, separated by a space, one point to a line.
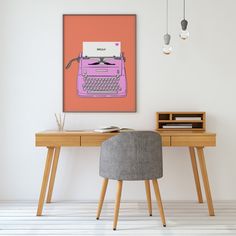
167 6
184 9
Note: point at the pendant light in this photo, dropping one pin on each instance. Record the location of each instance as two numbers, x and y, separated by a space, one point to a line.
167 47
184 23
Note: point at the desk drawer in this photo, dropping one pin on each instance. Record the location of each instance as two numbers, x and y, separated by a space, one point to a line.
93 140
209 140
96 140
165 141
57 140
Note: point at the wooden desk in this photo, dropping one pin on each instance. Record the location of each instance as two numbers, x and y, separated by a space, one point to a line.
54 140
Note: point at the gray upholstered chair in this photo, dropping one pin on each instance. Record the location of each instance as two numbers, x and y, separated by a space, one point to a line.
133 155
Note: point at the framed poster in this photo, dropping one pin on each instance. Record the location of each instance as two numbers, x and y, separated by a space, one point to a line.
99 63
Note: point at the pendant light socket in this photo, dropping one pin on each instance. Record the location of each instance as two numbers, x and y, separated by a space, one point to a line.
184 24
167 38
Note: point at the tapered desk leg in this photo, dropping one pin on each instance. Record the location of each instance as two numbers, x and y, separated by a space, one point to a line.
205 180
53 174
195 174
45 180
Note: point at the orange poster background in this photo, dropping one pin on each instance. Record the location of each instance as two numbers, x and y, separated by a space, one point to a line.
79 28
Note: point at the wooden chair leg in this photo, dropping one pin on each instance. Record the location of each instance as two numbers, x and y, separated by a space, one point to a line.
148 194
195 174
53 174
205 180
159 202
117 207
102 196
45 180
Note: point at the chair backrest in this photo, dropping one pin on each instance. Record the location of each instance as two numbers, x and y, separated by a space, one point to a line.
135 155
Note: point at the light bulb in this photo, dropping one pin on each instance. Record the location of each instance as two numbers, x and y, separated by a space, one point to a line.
184 34
167 49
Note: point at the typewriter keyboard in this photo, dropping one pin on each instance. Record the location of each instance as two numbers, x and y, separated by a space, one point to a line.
101 85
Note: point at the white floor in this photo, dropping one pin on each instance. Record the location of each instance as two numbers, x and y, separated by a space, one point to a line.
78 218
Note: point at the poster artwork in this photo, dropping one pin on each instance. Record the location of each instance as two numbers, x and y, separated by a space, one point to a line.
99 63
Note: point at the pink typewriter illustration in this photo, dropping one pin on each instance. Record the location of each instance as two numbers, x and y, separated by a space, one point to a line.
101 70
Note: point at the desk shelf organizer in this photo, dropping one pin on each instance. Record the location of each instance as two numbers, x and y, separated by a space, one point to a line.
181 121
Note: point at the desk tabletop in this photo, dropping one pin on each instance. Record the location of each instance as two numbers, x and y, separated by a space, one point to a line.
91 138
91 132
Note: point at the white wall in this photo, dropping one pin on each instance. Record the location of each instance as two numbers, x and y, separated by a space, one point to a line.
199 75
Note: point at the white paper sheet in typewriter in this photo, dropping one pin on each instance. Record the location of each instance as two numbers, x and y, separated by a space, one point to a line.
101 49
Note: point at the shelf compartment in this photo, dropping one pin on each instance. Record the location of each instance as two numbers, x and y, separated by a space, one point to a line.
164 116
